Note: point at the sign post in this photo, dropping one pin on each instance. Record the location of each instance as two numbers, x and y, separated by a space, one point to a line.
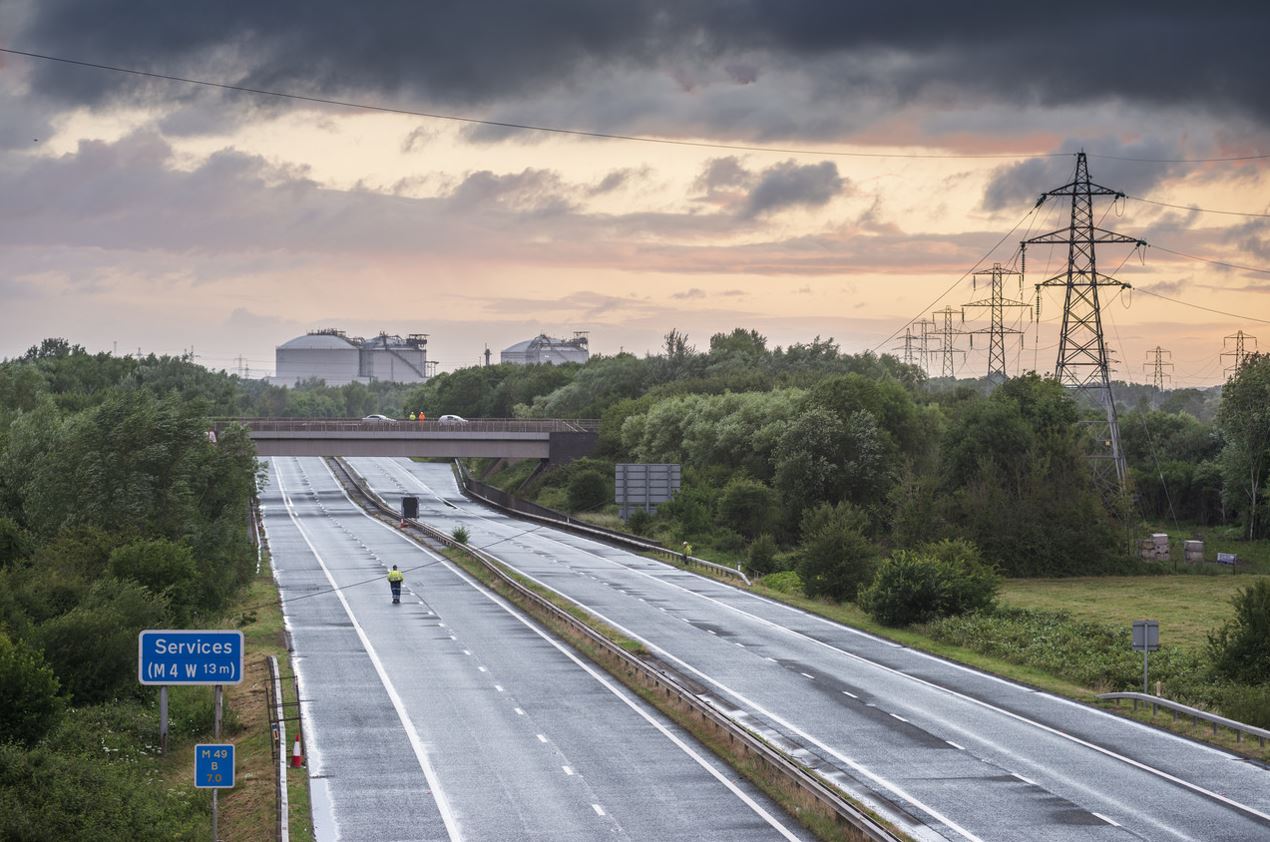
1146 639
195 657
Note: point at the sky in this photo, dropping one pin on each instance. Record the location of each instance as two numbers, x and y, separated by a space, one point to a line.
839 169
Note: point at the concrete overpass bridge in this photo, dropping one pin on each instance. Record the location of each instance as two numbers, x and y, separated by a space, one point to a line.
554 440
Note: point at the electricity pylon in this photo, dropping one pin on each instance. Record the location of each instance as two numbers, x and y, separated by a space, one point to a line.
1156 363
1083 363
996 303
911 345
1240 353
945 331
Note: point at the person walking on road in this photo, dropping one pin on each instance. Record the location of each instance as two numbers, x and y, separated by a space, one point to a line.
395 578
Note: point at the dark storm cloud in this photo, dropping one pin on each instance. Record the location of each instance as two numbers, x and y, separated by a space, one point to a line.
1168 53
788 185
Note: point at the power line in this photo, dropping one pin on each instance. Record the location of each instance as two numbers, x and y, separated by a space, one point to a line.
1214 262
1196 208
700 144
1238 316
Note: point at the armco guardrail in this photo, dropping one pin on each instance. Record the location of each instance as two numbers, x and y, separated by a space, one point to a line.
472 425
511 504
1195 713
663 683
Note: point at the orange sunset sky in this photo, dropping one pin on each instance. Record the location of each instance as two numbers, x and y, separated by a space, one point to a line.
889 153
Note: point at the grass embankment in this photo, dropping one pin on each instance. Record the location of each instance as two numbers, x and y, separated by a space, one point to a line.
248 812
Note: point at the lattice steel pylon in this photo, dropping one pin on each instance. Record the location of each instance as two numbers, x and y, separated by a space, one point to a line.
946 332
1156 363
910 346
997 304
1083 363
1240 353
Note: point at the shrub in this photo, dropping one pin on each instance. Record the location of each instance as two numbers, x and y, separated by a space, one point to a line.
29 705
163 567
461 534
1240 649
639 521
943 579
786 582
1250 705
587 490
762 556
748 507
15 543
835 558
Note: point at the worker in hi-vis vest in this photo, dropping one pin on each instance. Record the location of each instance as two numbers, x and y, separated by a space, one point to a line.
395 578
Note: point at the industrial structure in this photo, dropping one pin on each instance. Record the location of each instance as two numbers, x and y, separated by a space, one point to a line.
1083 363
996 303
549 350
338 359
1239 351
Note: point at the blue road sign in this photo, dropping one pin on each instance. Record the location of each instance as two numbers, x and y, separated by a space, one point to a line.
214 766
184 656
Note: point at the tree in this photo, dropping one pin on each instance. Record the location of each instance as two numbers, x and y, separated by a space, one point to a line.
1244 418
834 557
762 556
29 704
824 458
165 568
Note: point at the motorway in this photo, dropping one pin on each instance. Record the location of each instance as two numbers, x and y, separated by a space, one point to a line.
944 751
454 717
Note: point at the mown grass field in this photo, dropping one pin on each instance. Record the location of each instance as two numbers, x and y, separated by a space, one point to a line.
1187 606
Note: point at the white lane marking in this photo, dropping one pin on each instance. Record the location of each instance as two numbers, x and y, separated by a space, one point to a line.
900 718
808 675
519 712
1111 822
541 738
860 658
954 745
769 658
849 693
416 744
599 677
568 771
599 811
498 687
482 669
467 652
1027 781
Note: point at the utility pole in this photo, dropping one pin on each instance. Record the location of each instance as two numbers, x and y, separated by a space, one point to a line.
946 332
925 328
1083 363
1239 354
996 303
1156 363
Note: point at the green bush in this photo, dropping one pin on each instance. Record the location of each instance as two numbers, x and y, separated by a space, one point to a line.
943 579
1250 705
460 534
835 558
639 521
762 556
29 704
587 490
1240 649
165 568
93 648
15 543
748 507
786 582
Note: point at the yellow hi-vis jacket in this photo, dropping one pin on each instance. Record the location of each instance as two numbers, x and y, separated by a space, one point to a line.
396 577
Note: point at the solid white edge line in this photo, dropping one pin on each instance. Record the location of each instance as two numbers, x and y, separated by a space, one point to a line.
416 743
1109 821
603 680
956 693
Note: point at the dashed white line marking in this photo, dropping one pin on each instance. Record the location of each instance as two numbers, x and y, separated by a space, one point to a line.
467 652
849 693
768 658
541 738
954 745
567 771
1111 822
1027 781
498 687
519 712
807 675
599 811
482 669
900 718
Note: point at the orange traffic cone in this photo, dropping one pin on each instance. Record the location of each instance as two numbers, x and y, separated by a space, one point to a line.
297 759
